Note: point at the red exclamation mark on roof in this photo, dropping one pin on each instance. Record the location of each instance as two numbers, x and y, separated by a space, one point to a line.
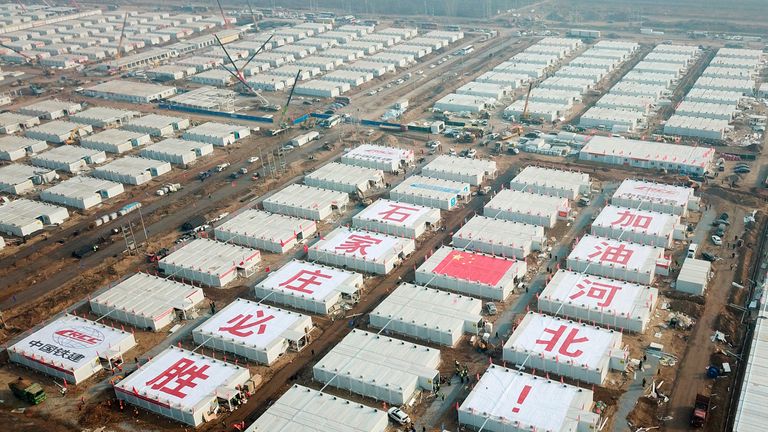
521 398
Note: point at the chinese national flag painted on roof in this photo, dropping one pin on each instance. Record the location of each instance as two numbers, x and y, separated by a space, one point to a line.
473 267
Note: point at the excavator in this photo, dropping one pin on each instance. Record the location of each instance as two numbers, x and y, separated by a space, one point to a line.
74 136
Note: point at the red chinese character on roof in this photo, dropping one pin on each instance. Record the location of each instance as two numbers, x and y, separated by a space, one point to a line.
633 220
565 346
614 254
305 278
183 374
596 290
655 190
397 213
241 324
358 243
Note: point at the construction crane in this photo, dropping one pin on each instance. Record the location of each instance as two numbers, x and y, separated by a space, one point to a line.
238 72
23 8
122 38
253 16
288 102
46 70
524 115
223 15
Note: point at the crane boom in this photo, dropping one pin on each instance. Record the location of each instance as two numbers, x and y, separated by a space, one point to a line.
257 52
122 37
527 98
290 96
223 16
253 16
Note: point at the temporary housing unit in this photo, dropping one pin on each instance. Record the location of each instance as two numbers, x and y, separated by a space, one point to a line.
608 302
218 134
58 131
311 287
148 302
81 192
529 208
177 151
616 259
130 91
365 251
499 237
428 314
158 385
694 276
303 408
387 159
398 219
14 147
132 170
638 226
698 126
11 122
104 117
306 202
267 231
157 125
379 367
323 89
548 181
565 347
23 217
71 159
51 109
749 416
257 332
431 192
71 348
659 197
507 400
210 262
19 179
649 155
345 178
115 140
460 169
454 102
471 273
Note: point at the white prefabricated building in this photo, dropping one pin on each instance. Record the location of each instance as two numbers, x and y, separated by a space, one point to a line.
14 147
19 179
24 217
302 408
147 302
554 182
311 287
210 262
157 386
529 208
82 192
132 170
255 331
11 122
71 348
115 140
616 259
177 151
455 102
266 231
659 197
387 159
499 237
350 179
306 202
564 347
71 159
157 125
694 276
103 117
638 226
51 109
507 400
218 134
471 273
398 219
379 367
460 169
608 302
58 131
428 314
431 192
365 251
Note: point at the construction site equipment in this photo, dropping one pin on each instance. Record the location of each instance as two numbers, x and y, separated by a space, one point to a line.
700 411
238 72
524 115
122 38
74 136
28 391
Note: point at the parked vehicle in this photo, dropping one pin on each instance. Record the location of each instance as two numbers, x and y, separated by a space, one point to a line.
717 240
253 159
85 251
490 308
709 257
28 391
692 249
700 411
398 416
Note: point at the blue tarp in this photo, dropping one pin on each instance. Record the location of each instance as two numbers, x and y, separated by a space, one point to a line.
217 113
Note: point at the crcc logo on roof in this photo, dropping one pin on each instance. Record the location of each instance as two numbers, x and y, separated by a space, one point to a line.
78 337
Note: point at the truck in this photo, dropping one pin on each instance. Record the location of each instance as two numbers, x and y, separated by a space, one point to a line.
305 138
437 127
401 105
27 391
331 121
222 167
700 411
85 251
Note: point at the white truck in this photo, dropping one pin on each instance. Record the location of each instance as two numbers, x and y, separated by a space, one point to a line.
304 139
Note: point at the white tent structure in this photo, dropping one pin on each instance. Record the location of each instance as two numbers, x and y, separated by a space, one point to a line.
350 179
257 332
71 348
379 367
471 273
431 192
305 409
638 226
306 202
311 287
147 302
398 219
267 231
527 208
608 302
428 314
365 251
499 237
387 159
460 169
210 262
616 259
660 197
506 400
694 276
182 385
564 347
548 181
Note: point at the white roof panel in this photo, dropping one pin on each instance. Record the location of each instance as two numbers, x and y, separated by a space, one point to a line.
608 252
311 280
360 244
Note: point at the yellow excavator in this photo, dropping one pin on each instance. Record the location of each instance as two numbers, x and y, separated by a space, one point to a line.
74 136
